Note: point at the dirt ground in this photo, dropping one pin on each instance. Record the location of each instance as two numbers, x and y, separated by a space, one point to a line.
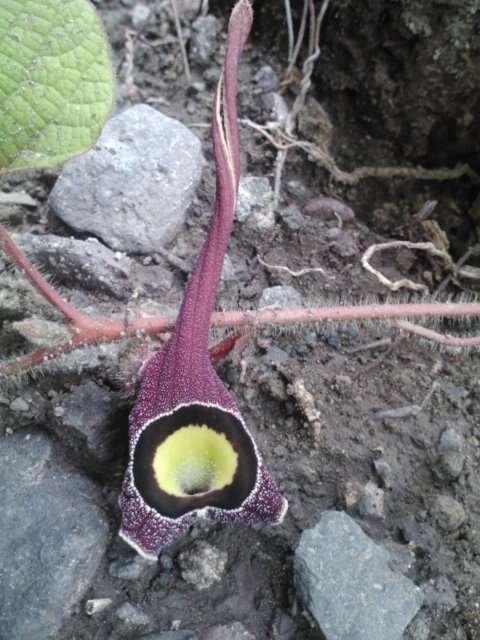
351 376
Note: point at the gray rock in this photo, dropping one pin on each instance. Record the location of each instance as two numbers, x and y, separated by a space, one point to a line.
41 333
451 440
292 217
449 514
140 13
456 395
202 565
345 245
181 634
371 502
86 419
384 471
19 404
97 605
133 188
345 581
85 263
266 79
255 202
276 356
451 464
15 297
281 297
52 538
131 568
131 616
297 189
232 631
419 629
204 40
439 593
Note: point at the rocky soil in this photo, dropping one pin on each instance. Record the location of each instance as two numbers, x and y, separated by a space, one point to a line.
373 436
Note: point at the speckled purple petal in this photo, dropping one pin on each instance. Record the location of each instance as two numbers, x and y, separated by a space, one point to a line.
181 374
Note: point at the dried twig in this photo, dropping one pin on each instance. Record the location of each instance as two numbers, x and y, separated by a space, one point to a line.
409 411
376 344
307 70
294 274
178 29
455 342
281 140
288 16
300 36
131 90
466 256
403 282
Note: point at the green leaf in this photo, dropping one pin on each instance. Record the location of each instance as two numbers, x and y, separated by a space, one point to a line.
56 81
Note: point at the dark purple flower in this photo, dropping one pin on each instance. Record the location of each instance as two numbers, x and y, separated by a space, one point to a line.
191 453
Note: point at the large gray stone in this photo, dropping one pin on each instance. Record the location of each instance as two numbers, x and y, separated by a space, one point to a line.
52 537
92 266
345 581
87 263
133 188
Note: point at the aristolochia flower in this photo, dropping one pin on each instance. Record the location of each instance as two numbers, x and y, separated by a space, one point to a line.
190 452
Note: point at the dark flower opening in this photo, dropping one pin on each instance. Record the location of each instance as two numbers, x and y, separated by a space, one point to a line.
195 457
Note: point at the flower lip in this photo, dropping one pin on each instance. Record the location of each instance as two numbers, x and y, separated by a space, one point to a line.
198 456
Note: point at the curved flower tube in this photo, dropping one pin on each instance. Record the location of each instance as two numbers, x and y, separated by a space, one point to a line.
190 452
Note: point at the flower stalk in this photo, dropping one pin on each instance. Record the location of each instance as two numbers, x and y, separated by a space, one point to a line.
190 452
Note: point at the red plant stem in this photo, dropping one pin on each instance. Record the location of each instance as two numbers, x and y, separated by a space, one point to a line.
113 330
190 339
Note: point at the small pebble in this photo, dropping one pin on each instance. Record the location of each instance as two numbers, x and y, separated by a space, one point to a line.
132 616
266 78
449 513
19 405
451 464
202 565
371 502
96 605
451 440
132 568
384 471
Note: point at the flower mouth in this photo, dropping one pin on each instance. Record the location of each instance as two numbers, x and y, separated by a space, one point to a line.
195 457
194 460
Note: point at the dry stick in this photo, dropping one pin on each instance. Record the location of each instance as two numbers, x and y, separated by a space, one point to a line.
434 336
301 35
408 411
130 86
470 251
404 282
294 274
288 16
285 141
308 66
178 28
